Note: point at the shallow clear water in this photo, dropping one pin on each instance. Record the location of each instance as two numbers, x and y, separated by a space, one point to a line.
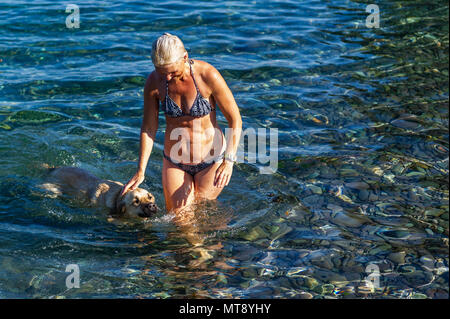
363 148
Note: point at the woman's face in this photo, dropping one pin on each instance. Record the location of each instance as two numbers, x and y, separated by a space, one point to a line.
171 71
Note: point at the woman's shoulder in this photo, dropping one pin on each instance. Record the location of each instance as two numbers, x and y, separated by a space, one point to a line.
152 84
153 81
202 66
204 69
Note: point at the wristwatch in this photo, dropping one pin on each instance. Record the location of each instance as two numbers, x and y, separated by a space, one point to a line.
230 158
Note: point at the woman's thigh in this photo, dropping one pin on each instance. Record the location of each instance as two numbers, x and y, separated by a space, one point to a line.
204 183
178 186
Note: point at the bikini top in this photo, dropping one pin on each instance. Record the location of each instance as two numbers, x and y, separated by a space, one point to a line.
199 108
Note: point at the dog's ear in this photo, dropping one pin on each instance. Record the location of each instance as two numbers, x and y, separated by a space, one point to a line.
119 210
122 208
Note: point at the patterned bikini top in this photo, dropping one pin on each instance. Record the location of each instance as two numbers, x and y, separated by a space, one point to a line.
199 108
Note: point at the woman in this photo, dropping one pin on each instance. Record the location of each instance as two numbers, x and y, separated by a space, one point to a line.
188 91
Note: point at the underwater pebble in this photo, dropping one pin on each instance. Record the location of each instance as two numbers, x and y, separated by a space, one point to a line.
348 172
322 262
254 234
315 189
357 185
335 208
330 276
397 257
324 289
427 262
304 295
379 249
250 273
405 124
363 195
344 219
311 282
435 212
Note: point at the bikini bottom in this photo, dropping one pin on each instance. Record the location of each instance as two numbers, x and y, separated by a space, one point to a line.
193 169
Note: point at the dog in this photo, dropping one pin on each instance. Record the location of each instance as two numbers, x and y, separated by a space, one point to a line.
78 183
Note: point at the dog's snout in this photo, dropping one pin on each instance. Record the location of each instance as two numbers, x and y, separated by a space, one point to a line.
148 210
152 207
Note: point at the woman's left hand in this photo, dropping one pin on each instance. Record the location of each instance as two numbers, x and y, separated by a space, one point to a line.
223 174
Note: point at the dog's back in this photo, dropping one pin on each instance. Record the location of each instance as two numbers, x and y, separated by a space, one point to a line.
73 177
80 184
72 181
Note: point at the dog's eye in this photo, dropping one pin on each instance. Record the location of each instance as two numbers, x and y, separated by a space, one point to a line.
136 201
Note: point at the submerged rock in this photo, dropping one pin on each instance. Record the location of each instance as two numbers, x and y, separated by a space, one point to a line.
253 234
397 257
343 218
324 289
35 117
405 124
311 282
304 295
357 185
315 189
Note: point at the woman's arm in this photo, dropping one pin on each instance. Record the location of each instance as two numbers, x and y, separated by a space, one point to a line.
149 125
148 132
225 100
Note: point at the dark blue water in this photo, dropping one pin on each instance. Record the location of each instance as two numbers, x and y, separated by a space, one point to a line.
362 180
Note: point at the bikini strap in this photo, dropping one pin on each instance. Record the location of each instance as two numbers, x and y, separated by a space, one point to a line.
192 72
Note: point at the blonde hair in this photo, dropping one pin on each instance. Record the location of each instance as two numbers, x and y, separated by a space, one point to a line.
167 49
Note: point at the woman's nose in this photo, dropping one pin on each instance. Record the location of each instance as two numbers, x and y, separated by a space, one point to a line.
168 78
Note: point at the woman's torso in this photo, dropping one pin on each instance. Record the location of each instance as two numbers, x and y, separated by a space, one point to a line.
190 139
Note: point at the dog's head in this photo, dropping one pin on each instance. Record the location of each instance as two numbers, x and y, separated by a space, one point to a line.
136 203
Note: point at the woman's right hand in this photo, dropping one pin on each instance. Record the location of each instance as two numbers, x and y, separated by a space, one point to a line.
133 183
